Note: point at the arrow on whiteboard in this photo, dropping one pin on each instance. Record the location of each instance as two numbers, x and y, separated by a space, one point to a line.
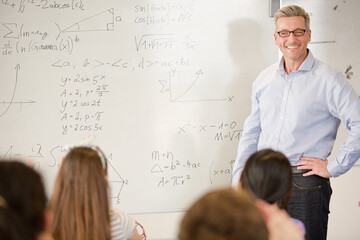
12 102
198 73
17 67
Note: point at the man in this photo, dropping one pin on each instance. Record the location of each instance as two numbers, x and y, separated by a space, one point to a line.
297 106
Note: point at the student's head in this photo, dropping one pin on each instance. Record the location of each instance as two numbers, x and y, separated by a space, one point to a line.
22 202
267 175
293 11
223 214
80 198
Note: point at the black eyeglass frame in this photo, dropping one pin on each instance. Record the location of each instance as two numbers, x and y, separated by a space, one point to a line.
303 31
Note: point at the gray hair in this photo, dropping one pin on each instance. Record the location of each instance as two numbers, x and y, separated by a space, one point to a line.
293 11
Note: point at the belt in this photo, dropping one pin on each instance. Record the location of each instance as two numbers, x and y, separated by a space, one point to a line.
298 171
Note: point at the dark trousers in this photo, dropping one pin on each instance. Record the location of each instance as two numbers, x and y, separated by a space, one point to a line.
310 203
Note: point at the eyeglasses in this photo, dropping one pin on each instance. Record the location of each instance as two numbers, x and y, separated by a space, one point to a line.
297 33
140 230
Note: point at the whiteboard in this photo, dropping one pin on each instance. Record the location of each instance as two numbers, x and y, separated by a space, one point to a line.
335 33
163 87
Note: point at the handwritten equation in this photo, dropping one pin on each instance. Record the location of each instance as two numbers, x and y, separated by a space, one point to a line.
174 12
174 172
223 131
81 102
42 158
21 5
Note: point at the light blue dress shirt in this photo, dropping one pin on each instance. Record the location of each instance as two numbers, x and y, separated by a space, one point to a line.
299 115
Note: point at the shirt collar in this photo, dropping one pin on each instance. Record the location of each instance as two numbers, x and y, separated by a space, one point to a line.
305 66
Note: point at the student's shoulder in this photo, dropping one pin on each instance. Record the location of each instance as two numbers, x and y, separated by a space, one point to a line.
118 216
300 225
122 225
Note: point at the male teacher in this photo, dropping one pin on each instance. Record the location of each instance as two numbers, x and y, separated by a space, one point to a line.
297 106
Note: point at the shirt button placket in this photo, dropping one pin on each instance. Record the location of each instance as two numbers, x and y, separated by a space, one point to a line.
283 109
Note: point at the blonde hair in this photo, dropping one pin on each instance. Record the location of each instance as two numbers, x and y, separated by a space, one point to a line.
293 11
80 199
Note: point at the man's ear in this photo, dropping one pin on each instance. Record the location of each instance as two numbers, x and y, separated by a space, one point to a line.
309 35
277 39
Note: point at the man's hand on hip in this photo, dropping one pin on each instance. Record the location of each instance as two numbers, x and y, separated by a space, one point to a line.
315 165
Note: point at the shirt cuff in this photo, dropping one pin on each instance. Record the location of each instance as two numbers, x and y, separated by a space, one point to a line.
334 169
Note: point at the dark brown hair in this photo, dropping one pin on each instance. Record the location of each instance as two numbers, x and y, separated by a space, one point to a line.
267 175
23 201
